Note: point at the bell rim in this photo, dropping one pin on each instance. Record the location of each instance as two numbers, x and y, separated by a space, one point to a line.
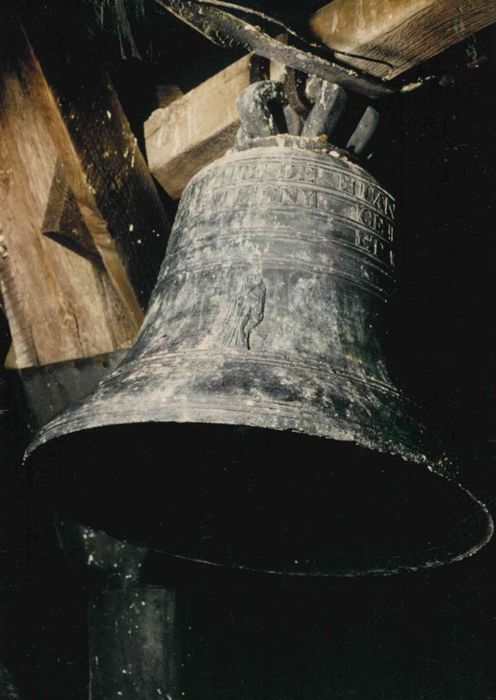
91 411
202 414
415 561
483 525
373 571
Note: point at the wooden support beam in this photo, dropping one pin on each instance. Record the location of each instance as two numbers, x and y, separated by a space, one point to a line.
195 129
200 126
78 210
397 34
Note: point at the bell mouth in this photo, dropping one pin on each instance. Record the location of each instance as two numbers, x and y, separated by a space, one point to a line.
260 499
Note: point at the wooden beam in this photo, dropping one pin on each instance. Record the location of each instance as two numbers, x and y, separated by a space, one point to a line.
58 304
397 34
77 209
195 129
103 164
200 126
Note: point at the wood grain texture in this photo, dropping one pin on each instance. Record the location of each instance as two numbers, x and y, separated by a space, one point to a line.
397 34
44 286
195 129
103 164
69 163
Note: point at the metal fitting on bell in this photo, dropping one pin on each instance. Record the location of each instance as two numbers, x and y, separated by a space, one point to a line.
254 424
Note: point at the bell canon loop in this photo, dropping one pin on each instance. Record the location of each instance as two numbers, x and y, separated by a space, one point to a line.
254 423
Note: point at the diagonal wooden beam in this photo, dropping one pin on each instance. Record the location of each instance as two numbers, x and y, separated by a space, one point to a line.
70 168
397 35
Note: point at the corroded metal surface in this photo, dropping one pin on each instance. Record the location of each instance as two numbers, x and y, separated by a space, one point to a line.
267 309
268 316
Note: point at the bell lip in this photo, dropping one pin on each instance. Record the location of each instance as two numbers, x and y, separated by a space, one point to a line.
485 524
97 409
370 572
64 424
100 410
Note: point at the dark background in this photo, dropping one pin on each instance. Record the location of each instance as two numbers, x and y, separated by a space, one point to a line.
425 635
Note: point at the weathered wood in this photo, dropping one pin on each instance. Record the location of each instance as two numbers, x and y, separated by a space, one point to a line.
226 29
107 173
104 166
46 289
397 34
70 169
167 94
195 129
63 221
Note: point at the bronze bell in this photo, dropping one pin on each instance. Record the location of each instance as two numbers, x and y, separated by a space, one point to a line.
254 423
